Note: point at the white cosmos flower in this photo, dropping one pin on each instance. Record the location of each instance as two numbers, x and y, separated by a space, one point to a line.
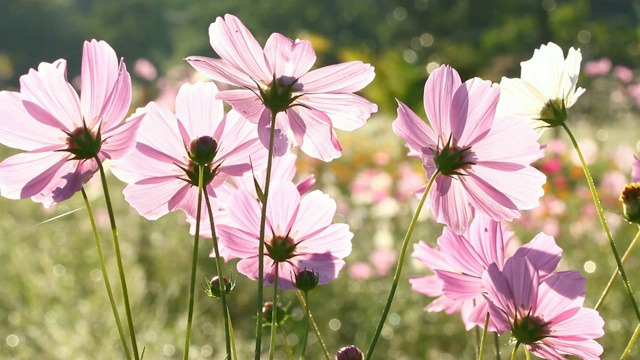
546 88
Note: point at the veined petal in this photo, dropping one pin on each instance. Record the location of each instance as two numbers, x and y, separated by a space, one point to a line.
236 45
458 286
238 147
281 141
523 281
346 111
316 212
98 76
314 134
245 102
56 102
20 130
345 77
431 257
542 252
121 140
570 75
282 210
220 70
334 239
237 242
160 131
27 174
326 266
450 204
150 197
560 296
117 104
486 198
473 109
197 110
427 285
145 162
244 212
410 128
519 97
286 57
461 254
544 70
509 140
438 96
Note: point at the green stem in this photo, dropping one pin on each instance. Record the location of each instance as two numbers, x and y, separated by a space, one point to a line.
305 335
105 276
116 247
527 353
194 264
263 221
313 324
287 347
496 342
631 343
396 276
232 336
515 351
223 286
614 276
274 313
596 201
483 339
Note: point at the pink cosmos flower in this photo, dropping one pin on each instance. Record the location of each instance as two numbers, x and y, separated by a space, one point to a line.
623 74
597 67
309 104
483 160
162 170
62 134
461 260
299 235
546 315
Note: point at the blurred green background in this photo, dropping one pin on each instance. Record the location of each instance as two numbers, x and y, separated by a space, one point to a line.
52 299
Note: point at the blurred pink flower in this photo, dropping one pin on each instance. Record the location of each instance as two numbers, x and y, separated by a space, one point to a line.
162 171
634 93
383 260
62 134
635 169
556 147
611 185
409 182
623 74
309 104
545 314
300 234
360 271
551 166
145 69
479 156
371 186
597 67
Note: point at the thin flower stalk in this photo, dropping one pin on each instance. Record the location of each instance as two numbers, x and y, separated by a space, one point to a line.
632 342
105 276
313 324
116 247
194 263
603 221
285 342
305 334
396 276
274 315
614 275
223 290
483 338
263 222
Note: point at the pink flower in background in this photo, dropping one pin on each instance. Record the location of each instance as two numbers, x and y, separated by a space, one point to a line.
597 67
360 271
480 157
162 171
546 315
383 260
623 74
62 134
145 69
309 104
635 170
299 234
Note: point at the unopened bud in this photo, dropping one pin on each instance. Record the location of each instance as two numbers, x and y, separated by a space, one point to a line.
631 203
350 352
306 280
214 286
267 313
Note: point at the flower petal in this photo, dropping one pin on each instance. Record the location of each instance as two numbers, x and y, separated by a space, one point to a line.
314 134
346 111
197 110
410 128
286 57
345 77
473 109
438 95
222 71
449 202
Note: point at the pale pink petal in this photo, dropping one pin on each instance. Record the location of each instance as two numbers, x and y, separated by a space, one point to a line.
316 211
249 267
68 180
28 174
430 256
346 77
245 102
542 252
484 197
237 242
20 130
473 109
49 90
281 142
238 147
197 110
334 239
346 111
314 134
438 96
117 104
244 211
282 208
220 70
445 304
326 266
450 204
458 286
508 133
523 281
410 128
286 57
460 253
307 184
160 131
427 285
230 39
586 349
98 77
561 292
121 140
150 197
488 238
145 162
500 296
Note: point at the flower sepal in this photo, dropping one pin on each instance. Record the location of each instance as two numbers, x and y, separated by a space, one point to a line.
83 143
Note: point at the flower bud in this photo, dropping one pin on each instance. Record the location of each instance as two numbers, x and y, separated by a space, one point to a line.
630 198
306 280
202 150
350 352
213 287
267 313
